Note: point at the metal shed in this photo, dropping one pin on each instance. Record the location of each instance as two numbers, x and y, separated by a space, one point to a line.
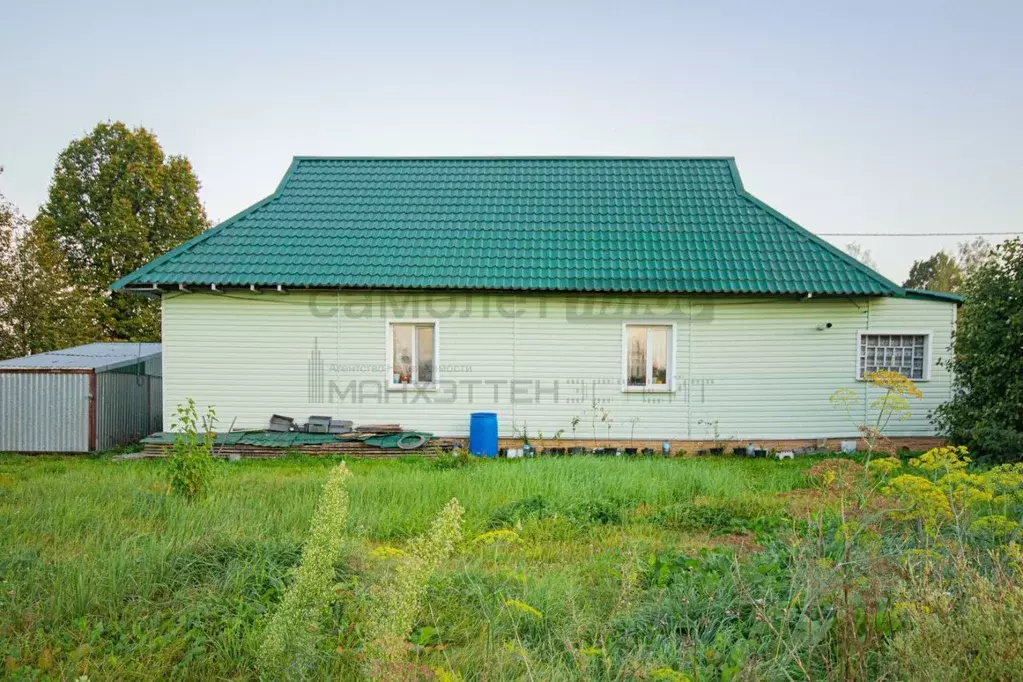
81 399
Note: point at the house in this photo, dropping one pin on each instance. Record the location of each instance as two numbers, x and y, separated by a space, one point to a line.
608 299
81 399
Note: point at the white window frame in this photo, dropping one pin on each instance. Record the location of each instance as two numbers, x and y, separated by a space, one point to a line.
895 332
672 346
389 367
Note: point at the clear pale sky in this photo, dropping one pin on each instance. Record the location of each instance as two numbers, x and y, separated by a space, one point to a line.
869 117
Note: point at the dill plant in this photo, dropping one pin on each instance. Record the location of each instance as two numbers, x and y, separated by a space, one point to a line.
394 603
290 638
892 403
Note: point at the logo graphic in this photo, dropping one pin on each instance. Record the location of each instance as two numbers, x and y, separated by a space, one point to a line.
317 391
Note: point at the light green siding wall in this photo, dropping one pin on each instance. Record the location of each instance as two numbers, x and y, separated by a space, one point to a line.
757 366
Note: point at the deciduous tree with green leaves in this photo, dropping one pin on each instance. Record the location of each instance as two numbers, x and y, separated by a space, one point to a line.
944 272
986 408
940 272
40 310
116 202
970 255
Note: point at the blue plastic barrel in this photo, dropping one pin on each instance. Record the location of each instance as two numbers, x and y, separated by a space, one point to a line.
483 434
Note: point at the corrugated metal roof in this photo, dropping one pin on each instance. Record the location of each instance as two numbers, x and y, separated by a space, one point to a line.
668 225
95 356
936 295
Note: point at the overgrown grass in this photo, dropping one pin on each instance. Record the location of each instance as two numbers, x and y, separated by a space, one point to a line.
103 572
570 568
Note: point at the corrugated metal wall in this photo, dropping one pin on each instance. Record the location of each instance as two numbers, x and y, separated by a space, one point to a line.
44 412
154 367
126 402
155 404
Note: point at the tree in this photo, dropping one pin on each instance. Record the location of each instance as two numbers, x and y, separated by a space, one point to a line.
116 202
971 255
940 272
12 225
986 408
40 309
861 254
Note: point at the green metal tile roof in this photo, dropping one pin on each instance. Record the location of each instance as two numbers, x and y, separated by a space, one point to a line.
543 224
934 295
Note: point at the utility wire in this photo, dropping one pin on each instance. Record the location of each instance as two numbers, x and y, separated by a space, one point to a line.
912 234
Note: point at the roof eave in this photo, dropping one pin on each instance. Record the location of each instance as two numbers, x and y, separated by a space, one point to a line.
934 296
220 286
138 276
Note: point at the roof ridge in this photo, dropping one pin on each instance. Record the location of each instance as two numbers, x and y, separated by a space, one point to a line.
514 158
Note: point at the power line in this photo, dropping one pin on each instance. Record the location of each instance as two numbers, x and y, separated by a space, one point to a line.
913 234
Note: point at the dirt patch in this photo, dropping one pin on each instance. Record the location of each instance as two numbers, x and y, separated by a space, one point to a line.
840 474
741 543
806 502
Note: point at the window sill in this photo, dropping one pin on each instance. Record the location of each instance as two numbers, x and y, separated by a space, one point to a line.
648 389
412 387
915 381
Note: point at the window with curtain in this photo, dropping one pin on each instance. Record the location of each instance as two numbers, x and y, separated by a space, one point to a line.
648 356
413 354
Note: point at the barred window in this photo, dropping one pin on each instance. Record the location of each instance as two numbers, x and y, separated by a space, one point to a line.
902 353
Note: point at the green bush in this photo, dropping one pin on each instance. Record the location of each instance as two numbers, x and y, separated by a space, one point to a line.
986 409
995 440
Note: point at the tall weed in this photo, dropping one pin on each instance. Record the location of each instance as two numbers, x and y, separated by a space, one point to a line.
968 628
290 640
191 455
394 603
912 576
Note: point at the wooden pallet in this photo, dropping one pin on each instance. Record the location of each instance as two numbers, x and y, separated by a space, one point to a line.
350 448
